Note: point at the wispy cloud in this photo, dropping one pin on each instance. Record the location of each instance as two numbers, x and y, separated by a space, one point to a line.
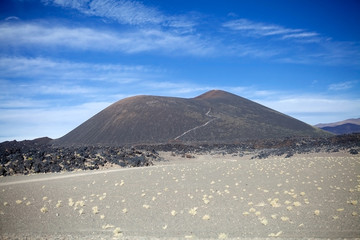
311 108
126 12
22 35
123 11
28 83
52 80
38 121
287 45
259 29
302 35
292 45
176 88
61 70
342 86
12 18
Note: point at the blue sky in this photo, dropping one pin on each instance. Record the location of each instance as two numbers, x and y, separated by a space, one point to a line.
62 61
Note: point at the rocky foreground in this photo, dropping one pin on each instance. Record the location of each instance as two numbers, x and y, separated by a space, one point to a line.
26 158
40 156
211 196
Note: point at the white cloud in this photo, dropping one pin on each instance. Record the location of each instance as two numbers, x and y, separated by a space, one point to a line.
38 82
314 109
252 50
129 12
180 89
301 35
27 34
123 11
65 89
17 102
342 86
252 92
12 18
126 12
16 94
156 40
260 29
40 36
37 122
49 69
290 45
81 38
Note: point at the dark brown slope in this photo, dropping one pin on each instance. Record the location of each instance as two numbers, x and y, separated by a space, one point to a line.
214 117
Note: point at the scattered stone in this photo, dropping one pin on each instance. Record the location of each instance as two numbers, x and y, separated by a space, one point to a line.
222 236
353 151
275 234
193 211
107 226
264 221
117 232
206 217
354 202
44 209
95 210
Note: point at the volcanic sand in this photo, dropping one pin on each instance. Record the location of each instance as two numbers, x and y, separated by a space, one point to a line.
209 196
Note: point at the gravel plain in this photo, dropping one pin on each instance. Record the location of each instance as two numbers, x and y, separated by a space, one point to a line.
306 196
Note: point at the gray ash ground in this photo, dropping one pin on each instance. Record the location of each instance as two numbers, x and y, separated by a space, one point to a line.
39 156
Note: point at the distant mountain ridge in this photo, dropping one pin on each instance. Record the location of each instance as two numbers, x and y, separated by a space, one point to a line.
342 127
346 128
355 121
213 117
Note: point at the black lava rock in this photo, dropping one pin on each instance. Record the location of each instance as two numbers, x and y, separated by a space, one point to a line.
38 156
27 158
353 151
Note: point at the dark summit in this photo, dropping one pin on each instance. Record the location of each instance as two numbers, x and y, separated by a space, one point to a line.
213 117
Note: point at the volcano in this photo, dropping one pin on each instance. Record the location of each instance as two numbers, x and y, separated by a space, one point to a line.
213 117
